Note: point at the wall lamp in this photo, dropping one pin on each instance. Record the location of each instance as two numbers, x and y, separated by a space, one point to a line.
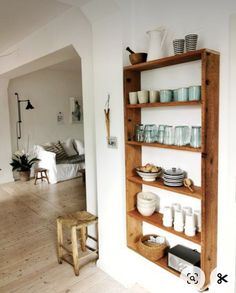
18 123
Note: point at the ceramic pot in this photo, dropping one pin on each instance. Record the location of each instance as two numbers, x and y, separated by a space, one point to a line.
24 175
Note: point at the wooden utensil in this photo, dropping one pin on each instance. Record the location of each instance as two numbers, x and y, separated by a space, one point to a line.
107 117
188 183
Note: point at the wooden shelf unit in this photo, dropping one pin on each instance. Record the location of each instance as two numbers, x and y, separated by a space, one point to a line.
207 193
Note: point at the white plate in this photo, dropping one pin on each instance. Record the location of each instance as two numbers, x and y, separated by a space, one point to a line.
173 177
173 184
173 180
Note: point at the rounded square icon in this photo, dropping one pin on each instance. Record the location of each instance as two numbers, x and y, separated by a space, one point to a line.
193 276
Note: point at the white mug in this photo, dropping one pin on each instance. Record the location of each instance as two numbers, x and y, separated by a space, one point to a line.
167 217
143 97
198 220
190 232
133 98
179 221
190 226
153 96
187 210
176 206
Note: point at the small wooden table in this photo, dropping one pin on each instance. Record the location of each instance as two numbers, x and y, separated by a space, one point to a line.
40 173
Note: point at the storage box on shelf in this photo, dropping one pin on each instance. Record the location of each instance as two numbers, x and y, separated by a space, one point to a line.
207 193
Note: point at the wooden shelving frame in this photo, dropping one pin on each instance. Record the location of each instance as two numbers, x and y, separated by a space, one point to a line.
208 192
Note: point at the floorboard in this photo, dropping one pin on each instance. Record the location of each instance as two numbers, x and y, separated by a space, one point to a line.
28 262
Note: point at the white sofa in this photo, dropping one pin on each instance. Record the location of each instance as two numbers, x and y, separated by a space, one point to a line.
65 169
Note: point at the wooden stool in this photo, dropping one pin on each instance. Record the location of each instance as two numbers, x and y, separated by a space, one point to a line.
76 221
40 173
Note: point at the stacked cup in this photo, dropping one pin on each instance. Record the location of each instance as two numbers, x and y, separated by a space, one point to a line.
146 203
178 46
179 220
191 42
190 225
198 221
167 216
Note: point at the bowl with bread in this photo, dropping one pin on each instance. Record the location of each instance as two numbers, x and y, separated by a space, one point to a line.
149 172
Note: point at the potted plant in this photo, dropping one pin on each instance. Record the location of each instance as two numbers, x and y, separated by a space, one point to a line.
22 163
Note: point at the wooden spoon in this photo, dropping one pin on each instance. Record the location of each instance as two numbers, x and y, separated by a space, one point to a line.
188 183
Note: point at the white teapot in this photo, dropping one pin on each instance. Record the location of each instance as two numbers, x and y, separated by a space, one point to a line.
156 40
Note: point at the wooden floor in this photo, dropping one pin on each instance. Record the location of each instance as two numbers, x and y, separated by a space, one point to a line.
28 261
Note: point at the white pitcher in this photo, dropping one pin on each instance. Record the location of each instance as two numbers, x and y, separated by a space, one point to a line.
156 41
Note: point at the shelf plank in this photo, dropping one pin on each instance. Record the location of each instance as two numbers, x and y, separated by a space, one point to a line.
170 104
161 262
160 184
165 146
171 60
156 220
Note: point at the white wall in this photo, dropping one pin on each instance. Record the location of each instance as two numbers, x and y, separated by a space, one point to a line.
71 28
49 91
211 22
5 143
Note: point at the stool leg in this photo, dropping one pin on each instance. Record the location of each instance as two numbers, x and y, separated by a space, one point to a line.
83 238
59 241
97 239
36 177
41 174
75 250
46 175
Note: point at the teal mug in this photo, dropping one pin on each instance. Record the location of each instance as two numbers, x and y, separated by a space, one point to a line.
175 93
183 94
166 96
195 93
195 140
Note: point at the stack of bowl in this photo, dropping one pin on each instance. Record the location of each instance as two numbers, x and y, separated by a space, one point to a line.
174 177
146 203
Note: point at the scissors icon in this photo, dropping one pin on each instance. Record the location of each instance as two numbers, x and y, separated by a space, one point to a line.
222 278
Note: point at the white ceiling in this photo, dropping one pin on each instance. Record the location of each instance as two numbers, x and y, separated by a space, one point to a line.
78 3
68 65
54 61
19 18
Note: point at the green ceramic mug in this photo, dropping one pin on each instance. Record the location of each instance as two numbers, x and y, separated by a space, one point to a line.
183 94
166 96
194 93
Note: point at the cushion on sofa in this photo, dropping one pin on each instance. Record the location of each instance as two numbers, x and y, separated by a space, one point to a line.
58 149
68 146
72 160
79 146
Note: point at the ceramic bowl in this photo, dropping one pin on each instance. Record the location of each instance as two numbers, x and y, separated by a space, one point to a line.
146 197
146 211
149 176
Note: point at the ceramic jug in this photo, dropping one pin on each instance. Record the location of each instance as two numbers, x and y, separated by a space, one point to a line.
156 41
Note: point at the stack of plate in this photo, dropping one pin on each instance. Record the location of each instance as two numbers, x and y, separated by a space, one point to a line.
174 177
